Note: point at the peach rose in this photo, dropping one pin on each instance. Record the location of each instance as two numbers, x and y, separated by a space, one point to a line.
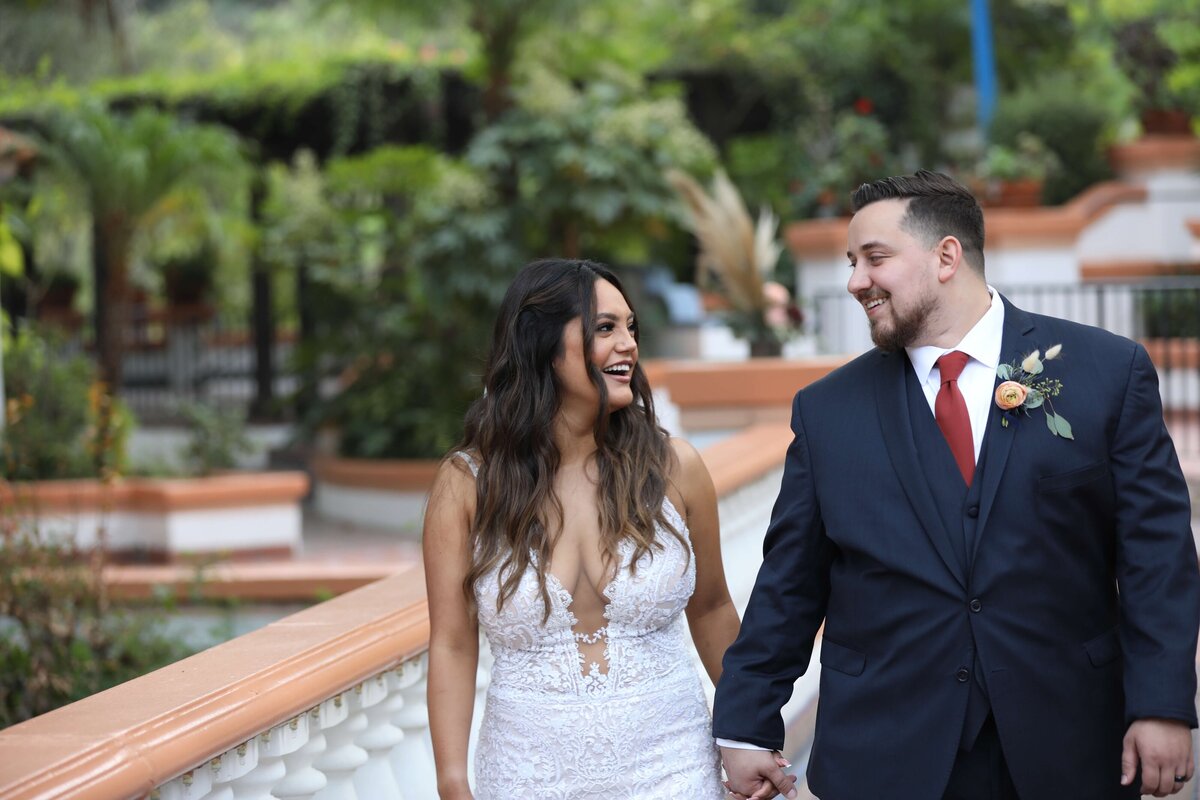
1010 395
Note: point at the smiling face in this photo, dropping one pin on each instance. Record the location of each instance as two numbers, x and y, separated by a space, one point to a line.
895 276
614 354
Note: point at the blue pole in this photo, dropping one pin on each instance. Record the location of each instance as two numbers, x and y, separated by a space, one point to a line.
984 60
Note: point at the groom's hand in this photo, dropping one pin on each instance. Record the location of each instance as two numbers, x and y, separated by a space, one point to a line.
756 774
1163 749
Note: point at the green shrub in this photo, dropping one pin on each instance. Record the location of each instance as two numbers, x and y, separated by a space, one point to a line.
1072 123
60 640
59 422
1170 313
836 154
215 439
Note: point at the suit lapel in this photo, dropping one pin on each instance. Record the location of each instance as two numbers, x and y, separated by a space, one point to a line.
891 396
998 440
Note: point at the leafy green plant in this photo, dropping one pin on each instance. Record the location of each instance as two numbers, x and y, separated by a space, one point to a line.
1076 119
1169 313
1028 159
1147 59
589 163
216 438
404 319
836 156
63 639
59 424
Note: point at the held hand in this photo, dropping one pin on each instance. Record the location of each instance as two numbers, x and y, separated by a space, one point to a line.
1164 749
757 774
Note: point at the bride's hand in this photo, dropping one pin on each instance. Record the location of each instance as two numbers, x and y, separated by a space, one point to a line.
756 774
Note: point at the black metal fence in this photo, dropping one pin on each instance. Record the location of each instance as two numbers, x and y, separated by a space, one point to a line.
170 363
1164 315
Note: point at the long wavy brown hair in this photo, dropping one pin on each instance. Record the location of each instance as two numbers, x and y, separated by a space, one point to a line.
509 431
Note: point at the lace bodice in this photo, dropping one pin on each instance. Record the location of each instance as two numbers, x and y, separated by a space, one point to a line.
644 632
558 728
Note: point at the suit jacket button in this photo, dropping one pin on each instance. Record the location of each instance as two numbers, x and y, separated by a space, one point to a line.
976 605
972 511
963 674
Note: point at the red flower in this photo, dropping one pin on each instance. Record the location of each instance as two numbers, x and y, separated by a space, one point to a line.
864 106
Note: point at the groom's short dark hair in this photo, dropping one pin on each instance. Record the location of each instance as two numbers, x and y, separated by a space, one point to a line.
939 206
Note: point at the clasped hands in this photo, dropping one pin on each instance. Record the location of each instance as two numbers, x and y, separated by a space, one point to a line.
1161 747
757 774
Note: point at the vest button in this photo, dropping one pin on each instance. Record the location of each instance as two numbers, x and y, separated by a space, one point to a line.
963 674
972 511
976 605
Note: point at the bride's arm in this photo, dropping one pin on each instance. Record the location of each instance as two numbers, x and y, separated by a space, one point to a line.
711 614
453 627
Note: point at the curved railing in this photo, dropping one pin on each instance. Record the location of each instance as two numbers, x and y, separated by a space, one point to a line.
328 703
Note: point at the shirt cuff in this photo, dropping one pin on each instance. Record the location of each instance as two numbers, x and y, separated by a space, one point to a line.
736 745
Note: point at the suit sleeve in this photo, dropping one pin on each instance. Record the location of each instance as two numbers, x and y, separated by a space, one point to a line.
785 609
1157 575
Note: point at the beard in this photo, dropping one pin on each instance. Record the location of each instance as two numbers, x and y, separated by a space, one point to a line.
905 328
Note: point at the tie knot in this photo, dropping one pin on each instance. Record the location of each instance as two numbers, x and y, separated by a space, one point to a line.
951 365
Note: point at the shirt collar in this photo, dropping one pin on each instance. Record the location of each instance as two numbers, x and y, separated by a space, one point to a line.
981 343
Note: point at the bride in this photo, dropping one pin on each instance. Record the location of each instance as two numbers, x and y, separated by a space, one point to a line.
577 534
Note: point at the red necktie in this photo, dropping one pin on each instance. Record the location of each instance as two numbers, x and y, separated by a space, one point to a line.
950 411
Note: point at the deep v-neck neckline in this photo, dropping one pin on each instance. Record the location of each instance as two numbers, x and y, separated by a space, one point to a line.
567 597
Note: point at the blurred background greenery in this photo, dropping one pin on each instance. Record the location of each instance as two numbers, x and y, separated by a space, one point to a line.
361 179
334 194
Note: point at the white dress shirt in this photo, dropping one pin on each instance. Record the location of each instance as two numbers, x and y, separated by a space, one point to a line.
978 379
977 384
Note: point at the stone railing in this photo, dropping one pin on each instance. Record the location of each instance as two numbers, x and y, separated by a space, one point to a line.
328 703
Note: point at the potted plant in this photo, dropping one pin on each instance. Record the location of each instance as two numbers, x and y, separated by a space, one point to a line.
740 256
1013 176
188 279
1147 61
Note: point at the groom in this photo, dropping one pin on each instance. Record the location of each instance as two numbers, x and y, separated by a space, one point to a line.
1007 580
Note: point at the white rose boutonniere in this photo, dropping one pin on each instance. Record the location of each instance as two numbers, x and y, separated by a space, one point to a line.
1023 388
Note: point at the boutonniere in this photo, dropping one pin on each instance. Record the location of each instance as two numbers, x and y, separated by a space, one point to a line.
1024 389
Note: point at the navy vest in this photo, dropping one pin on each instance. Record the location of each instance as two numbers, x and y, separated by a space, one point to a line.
958 508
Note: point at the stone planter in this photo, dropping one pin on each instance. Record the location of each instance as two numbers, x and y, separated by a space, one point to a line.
382 493
166 520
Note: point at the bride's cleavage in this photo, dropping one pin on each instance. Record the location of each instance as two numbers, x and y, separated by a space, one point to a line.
588 608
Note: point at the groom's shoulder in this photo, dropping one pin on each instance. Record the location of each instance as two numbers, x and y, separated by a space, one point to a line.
1097 340
851 374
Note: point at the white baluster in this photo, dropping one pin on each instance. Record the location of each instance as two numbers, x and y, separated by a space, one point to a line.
228 767
412 757
342 757
302 781
191 785
272 746
375 779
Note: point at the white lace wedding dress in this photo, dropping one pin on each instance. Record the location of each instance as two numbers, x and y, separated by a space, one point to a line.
555 728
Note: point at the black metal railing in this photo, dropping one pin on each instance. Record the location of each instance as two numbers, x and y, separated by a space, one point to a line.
1164 315
207 361
171 362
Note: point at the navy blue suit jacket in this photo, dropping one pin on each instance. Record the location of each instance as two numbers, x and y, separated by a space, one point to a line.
1083 566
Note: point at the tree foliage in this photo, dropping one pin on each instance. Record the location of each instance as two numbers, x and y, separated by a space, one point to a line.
128 167
589 161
